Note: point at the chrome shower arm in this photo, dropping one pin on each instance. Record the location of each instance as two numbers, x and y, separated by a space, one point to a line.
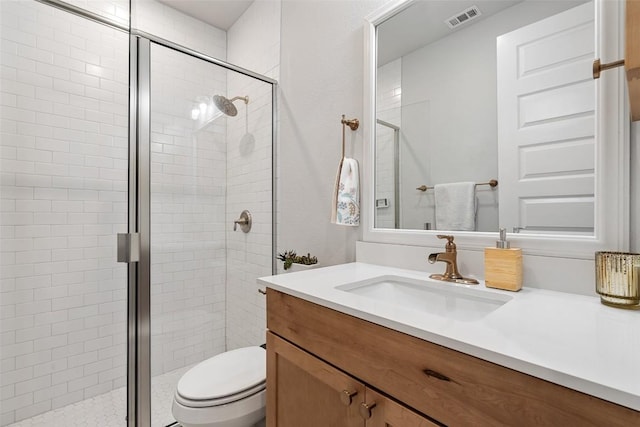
244 98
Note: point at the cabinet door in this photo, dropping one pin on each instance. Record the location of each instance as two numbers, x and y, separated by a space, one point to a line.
302 390
385 412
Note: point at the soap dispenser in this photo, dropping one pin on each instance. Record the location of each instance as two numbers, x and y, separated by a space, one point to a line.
503 265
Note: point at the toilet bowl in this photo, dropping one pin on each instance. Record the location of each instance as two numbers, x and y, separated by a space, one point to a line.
227 390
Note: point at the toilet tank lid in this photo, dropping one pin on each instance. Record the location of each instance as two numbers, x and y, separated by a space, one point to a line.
225 374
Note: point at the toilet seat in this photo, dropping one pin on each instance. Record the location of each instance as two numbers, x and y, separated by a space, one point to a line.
242 413
222 379
206 403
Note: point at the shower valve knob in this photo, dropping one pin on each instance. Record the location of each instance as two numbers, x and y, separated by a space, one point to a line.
244 221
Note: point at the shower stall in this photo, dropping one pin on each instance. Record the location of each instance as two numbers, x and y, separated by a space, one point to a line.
116 137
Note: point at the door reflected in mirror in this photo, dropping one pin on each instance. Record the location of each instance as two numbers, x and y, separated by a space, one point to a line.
473 91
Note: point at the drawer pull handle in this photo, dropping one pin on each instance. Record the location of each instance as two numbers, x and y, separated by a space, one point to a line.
436 375
365 410
346 396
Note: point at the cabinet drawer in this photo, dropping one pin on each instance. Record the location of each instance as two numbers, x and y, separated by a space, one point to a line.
449 386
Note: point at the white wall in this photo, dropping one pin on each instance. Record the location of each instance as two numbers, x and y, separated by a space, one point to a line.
253 42
321 79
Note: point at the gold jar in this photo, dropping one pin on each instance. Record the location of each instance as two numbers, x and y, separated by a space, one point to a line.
617 279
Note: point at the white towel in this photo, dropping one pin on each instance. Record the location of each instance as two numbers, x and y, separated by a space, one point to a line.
346 200
456 206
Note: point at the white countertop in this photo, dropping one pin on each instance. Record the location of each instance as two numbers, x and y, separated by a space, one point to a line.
567 339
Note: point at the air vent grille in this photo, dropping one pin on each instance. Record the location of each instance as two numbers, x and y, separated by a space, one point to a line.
463 17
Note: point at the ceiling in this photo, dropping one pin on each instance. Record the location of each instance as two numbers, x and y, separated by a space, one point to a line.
219 13
424 22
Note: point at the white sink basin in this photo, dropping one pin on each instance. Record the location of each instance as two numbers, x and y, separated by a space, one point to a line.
439 298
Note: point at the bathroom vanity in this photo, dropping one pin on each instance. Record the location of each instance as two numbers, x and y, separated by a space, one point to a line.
341 357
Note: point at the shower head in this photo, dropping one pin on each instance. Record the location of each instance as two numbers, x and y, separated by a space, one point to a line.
226 105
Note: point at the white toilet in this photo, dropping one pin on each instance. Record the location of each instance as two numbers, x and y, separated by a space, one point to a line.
227 390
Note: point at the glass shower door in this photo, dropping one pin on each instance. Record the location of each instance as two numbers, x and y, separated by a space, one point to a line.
206 166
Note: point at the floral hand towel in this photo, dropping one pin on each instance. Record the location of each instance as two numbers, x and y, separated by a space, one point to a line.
346 209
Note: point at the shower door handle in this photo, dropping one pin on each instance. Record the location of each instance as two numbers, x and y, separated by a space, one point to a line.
128 247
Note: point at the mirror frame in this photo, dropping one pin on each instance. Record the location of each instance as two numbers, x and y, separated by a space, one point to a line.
612 188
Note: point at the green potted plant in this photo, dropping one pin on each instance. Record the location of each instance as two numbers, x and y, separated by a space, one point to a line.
294 262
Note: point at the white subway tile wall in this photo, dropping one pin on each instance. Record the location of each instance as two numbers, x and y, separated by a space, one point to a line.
63 197
389 109
253 43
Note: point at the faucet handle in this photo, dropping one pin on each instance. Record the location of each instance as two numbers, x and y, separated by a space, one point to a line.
450 246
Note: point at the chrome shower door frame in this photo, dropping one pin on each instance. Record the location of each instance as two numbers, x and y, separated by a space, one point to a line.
139 273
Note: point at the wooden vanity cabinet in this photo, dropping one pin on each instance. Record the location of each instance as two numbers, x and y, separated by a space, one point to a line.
302 390
314 354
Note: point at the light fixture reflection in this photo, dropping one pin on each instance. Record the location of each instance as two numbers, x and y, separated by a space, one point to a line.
204 112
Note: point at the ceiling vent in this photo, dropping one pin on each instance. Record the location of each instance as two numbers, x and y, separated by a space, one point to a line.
463 17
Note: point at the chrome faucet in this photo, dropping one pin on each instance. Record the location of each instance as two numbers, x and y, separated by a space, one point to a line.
450 258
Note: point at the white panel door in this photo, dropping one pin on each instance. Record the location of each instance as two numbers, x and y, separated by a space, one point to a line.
546 124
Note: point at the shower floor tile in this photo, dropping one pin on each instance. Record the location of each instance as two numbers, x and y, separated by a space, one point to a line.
109 409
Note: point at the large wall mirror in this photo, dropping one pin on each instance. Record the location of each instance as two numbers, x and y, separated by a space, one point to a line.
484 114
